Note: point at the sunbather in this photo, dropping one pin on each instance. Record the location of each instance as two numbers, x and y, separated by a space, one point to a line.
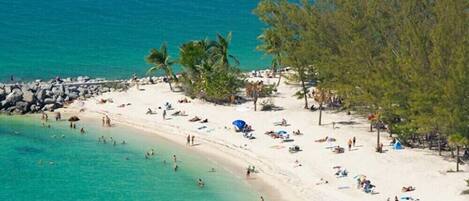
149 111
322 139
194 119
298 132
408 188
176 113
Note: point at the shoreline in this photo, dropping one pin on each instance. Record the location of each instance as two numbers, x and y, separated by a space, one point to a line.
213 151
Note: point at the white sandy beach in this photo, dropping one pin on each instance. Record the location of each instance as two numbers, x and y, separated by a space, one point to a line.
279 177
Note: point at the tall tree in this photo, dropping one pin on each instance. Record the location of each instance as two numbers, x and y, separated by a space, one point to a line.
161 61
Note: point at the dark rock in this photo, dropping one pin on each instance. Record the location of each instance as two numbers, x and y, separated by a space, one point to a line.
49 101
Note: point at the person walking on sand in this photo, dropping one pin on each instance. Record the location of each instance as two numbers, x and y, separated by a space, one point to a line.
192 140
349 144
104 121
354 140
248 172
188 140
164 114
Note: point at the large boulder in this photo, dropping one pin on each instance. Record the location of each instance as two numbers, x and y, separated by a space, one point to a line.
50 107
15 96
3 94
49 100
28 96
73 95
22 106
41 95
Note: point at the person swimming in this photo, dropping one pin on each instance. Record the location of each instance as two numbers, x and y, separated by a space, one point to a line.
200 183
212 170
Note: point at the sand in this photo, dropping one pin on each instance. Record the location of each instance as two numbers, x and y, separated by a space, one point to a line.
280 177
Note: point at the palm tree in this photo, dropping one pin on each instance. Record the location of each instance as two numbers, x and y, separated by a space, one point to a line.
457 140
272 46
219 51
161 61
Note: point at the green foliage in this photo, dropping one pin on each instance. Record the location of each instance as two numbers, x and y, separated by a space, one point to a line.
207 70
267 105
404 60
161 61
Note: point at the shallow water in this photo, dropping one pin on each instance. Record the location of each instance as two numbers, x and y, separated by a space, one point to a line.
84 169
43 39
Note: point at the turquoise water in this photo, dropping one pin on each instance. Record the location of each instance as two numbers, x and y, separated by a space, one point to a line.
42 39
84 169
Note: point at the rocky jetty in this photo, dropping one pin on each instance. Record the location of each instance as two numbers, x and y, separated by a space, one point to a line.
49 95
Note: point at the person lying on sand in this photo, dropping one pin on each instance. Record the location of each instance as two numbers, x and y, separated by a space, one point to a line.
196 118
322 181
322 139
184 100
408 188
149 111
297 132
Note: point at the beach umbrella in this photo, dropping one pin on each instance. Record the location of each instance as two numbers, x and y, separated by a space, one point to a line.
73 119
240 124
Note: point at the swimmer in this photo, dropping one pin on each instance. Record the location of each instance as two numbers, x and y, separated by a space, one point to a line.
123 142
175 167
82 131
114 143
200 183
51 163
152 152
63 136
212 170
174 159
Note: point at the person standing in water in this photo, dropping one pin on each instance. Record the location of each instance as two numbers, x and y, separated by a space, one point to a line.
82 131
188 140
174 159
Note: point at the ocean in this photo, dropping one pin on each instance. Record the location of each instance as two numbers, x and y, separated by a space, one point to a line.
58 163
110 38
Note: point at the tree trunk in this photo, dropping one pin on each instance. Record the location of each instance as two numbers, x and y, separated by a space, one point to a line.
279 78
378 147
320 112
457 158
255 104
305 93
439 145
169 83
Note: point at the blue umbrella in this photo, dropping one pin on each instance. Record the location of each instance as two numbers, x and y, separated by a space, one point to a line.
240 124
281 132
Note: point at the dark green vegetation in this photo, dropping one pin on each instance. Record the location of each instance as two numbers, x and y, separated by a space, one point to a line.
404 61
208 70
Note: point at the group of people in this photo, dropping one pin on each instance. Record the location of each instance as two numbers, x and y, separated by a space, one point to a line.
365 185
106 121
351 142
190 140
